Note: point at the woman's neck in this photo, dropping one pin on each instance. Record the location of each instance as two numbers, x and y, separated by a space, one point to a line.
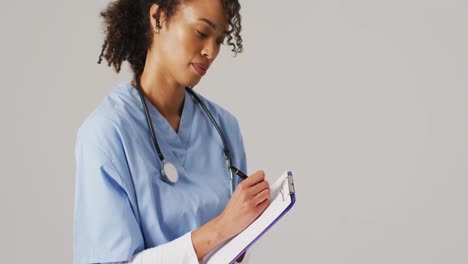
163 93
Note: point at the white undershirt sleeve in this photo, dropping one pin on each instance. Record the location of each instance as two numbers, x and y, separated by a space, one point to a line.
178 251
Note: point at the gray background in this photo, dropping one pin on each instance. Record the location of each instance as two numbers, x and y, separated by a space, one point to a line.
364 100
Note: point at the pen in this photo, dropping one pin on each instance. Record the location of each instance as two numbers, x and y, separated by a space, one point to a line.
238 172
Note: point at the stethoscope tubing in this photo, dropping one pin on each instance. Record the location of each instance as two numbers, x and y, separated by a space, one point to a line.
226 149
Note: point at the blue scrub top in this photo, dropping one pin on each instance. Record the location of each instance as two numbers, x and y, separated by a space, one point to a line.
121 205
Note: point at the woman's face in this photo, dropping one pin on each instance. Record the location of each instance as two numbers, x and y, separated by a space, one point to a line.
189 42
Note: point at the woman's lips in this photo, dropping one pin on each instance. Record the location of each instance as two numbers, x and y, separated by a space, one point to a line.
200 68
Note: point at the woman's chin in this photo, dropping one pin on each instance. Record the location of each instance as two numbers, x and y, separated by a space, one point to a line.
192 82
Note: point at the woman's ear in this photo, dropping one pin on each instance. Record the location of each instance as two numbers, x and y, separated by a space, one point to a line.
153 15
155 12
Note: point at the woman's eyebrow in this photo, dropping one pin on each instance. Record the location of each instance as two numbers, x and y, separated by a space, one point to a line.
211 24
206 20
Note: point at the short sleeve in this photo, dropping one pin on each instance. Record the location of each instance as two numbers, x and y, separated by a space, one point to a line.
105 227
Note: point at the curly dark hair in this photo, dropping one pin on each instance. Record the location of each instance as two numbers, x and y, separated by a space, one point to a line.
128 32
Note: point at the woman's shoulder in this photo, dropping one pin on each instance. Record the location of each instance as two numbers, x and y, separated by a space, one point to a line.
109 118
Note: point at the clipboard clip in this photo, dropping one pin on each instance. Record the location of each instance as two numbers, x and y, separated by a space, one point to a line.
291 184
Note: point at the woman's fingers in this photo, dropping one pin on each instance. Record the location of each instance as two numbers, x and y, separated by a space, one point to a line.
261 197
262 206
257 188
254 178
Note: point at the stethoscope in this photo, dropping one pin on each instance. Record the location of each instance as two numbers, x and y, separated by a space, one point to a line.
169 171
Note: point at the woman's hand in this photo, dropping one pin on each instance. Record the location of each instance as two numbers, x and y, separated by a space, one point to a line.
249 200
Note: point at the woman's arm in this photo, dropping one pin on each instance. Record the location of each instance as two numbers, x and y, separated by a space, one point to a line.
248 201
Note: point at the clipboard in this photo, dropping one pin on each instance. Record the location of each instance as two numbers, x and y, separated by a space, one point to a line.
282 197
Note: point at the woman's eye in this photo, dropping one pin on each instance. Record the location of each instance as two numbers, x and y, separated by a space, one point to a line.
201 34
220 41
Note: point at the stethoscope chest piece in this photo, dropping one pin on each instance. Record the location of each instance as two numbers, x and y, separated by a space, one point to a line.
169 173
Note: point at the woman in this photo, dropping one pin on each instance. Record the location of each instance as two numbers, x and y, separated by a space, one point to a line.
152 182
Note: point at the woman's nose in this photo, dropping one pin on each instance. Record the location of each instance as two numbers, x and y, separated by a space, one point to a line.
210 50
